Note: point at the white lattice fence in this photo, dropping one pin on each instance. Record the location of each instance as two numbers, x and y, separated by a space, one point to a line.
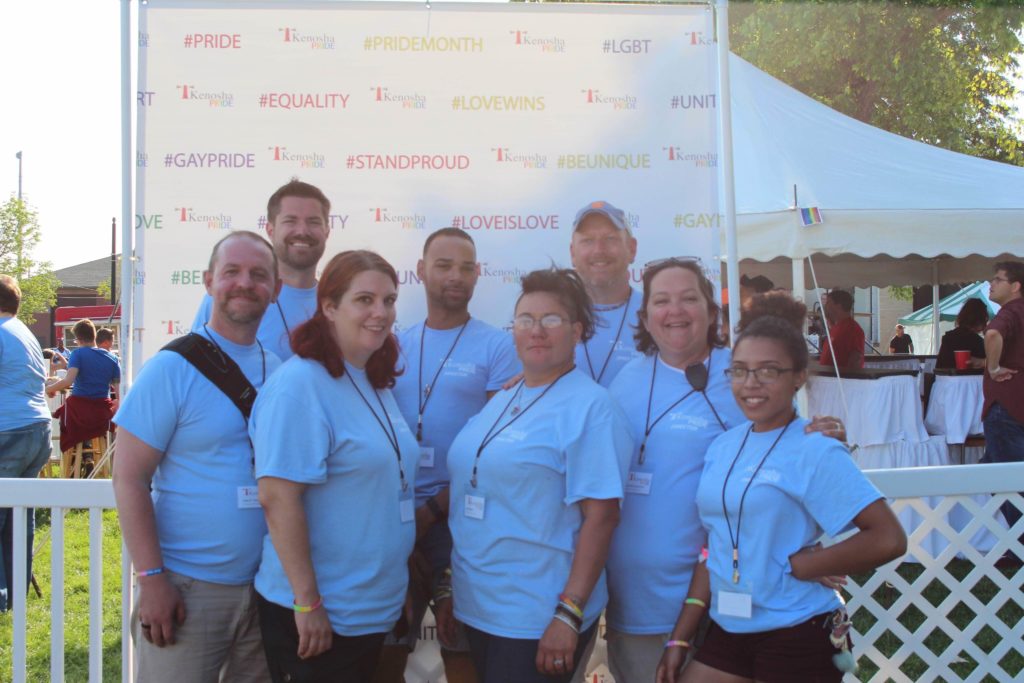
945 611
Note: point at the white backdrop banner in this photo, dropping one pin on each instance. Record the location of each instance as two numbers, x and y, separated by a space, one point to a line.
502 120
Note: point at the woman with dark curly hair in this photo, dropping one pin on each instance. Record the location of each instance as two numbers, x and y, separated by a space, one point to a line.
335 464
536 480
966 336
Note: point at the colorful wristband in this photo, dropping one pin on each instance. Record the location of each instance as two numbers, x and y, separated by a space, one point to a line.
151 572
564 599
304 609
677 643
696 601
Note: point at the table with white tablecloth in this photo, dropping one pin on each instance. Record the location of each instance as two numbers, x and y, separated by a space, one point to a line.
954 408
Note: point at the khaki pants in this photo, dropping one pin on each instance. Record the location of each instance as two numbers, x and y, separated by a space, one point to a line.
634 659
219 641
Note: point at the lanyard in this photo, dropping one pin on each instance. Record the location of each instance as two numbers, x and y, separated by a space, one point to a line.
491 435
618 333
389 432
287 330
739 519
649 426
423 395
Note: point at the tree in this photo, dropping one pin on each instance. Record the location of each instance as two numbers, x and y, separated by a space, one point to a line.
938 72
19 235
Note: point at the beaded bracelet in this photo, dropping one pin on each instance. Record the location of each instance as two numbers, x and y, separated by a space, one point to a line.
151 572
562 617
305 609
677 643
696 601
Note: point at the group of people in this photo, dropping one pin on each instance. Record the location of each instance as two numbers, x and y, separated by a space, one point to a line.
293 520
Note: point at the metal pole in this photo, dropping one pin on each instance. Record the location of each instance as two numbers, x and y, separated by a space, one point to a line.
127 222
726 180
113 262
20 208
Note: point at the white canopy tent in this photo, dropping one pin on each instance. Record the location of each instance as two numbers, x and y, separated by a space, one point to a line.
895 211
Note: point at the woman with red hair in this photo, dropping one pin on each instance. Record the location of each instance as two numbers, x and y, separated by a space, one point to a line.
335 464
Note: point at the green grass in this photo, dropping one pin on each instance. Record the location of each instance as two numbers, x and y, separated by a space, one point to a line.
76 603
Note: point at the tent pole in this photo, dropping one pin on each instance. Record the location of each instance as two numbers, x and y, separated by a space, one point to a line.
936 313
726 180
799 286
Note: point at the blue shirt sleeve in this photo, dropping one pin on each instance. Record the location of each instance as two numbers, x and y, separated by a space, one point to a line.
836 490
290 432
150 410
597 454
504 364
75 360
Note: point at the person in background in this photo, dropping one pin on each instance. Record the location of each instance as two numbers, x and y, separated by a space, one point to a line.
453 364
336 465
186 495
24 426
901 341
1003 386
539 476
844 347
767 492
966 336
92 374
749 286
602 250
298 225
62 351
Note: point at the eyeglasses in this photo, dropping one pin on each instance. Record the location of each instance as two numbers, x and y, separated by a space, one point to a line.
677 260
548 322
996 278
765 375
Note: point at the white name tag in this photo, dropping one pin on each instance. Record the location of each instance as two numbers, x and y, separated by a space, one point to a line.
475 506
248 497
407 510
735 604
426 456
639 483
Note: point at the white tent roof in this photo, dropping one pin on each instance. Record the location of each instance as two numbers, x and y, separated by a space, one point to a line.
891 206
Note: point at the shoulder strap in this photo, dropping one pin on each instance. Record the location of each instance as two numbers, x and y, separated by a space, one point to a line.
217 367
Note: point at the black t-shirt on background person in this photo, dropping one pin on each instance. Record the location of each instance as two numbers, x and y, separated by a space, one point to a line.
901 344
959 339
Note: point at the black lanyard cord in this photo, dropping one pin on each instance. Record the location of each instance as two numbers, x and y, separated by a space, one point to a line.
649 426
389 432
491 435
421 396
611 351
287 330
739 519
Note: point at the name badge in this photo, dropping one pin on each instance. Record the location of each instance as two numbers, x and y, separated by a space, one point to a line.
426 456
248 497
407 508
639 483
474 506
738 605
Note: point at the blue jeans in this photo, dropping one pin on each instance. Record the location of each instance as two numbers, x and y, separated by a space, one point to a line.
512 660
23 452
1004 442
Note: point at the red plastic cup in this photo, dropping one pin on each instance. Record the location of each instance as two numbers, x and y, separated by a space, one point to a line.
961 358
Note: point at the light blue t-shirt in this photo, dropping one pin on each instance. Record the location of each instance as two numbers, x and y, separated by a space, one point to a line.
483 360
808 484
97 370
612 346
293 307
659 536
510 566
22 377
204 531
311 428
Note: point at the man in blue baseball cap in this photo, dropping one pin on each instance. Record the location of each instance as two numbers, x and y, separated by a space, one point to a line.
602 250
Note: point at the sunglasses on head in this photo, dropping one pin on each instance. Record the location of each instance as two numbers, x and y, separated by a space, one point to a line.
674 260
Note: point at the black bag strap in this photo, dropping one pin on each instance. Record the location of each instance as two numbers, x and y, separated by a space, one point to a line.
217 367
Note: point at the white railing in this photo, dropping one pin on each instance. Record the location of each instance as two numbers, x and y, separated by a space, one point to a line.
929 494
61 495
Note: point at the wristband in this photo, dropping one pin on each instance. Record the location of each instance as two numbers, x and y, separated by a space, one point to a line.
304 609
151 572
564 599
676 643
696 601
567 621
